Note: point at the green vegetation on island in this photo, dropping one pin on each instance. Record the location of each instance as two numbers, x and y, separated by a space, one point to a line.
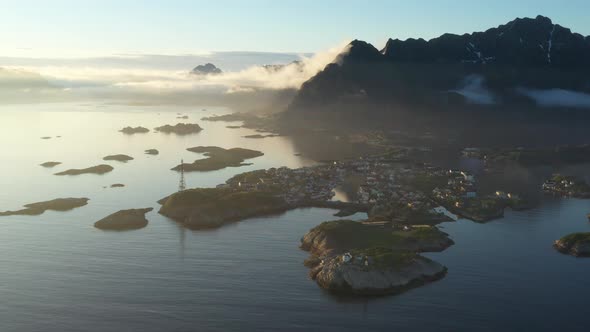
124 220
576 244
212 207
218 158
340 235
99 169
58 204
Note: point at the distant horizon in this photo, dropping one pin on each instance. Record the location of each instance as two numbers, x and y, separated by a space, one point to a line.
114 28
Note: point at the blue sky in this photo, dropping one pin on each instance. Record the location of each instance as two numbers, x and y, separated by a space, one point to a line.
70 28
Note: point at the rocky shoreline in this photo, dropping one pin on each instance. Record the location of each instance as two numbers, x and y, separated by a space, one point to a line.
353 258
576 244
353 279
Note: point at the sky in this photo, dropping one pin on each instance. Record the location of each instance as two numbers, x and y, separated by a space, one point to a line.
75 28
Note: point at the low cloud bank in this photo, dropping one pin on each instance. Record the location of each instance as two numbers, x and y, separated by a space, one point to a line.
557 97
101 80
475 91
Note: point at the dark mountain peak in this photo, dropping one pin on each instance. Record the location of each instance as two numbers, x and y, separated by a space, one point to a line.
523 42
359 51
493 66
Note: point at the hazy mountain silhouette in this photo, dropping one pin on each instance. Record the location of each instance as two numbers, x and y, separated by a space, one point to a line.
206 69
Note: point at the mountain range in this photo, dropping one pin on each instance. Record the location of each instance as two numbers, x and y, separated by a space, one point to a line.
528 61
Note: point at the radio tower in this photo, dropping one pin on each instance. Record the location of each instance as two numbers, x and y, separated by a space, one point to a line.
182 184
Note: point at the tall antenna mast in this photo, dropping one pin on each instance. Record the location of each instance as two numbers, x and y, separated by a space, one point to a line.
182 184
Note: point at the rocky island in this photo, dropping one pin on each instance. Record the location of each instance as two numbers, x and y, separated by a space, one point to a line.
180 129
50 164
576 244
99 169
152 152
58 204
351 257
124 220
118 157
218 158
134 130
258 136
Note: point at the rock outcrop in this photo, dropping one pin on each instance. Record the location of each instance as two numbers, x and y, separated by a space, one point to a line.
337 276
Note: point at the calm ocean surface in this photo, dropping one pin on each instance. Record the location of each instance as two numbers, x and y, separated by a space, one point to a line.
59 273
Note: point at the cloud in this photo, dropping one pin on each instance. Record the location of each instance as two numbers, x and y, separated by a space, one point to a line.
557 97
475 91
149 79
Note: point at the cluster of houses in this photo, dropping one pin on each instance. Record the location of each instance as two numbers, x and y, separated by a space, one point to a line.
293 185
566 186
381 181
461 184
348 258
